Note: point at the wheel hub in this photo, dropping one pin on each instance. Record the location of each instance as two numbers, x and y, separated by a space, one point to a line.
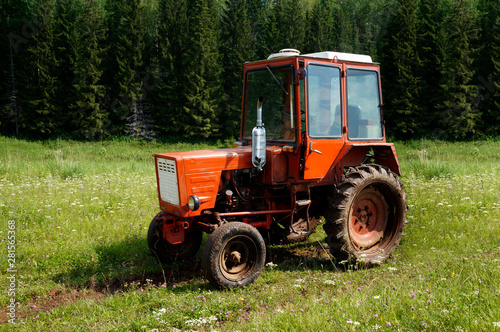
238 258
368 218
235 257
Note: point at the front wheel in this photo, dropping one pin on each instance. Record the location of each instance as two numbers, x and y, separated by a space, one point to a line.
367 215
234 255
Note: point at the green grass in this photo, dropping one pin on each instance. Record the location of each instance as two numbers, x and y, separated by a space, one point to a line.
82 212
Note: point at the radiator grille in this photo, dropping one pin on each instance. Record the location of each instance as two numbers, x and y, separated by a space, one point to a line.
167 175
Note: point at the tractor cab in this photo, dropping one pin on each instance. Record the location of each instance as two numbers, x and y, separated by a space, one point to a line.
313 105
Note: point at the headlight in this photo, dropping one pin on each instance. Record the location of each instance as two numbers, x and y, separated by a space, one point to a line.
193 202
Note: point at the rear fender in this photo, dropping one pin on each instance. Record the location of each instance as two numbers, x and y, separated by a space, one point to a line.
354 154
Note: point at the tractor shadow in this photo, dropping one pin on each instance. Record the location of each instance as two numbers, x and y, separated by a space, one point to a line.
120 266
304 256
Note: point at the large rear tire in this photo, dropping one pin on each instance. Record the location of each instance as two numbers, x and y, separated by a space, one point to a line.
366 216
234 255
166 252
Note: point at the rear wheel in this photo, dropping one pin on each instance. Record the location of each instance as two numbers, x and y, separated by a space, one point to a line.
367 215
234 255
166 252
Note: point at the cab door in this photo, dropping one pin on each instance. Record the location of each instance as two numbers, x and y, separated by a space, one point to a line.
324 118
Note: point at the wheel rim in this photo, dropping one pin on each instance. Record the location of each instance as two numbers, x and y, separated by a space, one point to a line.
368 219
238 258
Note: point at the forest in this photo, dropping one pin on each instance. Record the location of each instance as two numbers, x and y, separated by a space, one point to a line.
165 69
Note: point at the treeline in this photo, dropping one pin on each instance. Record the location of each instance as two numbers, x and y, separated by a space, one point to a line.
88 69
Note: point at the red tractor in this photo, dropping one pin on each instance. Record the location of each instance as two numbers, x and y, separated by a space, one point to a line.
312 150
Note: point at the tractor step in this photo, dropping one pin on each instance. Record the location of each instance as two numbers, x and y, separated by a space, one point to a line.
303 202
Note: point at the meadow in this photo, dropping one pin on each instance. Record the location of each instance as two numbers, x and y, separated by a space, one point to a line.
81 212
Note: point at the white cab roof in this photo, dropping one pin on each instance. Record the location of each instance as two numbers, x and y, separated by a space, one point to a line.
340 56
290 52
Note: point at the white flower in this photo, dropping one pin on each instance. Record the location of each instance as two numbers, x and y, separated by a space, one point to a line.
330 282
160 311
497 324
376 297
392 268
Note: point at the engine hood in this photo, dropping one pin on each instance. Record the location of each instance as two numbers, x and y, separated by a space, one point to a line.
203 161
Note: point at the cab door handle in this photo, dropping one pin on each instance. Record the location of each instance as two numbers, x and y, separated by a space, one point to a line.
311 149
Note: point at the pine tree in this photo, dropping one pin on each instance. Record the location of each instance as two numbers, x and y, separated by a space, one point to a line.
488 64
37 80
123 63
87 113
322 27
344 41
430 47
168 97
293 24
12 57
202 64
459 115
399 60
65 54
236 48
267 41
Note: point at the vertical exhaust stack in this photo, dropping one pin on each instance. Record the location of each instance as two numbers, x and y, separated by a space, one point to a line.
259 139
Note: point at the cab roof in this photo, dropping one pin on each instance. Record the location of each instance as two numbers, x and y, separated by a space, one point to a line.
326 55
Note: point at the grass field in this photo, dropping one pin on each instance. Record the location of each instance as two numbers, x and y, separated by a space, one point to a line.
81 213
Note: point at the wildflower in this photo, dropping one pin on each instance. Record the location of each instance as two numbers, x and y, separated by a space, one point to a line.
376 297
424 325
388 324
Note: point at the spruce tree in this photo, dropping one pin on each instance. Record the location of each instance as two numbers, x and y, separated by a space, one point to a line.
459 113
168 97
430 47
236 48
87 113
399 60
321 27
65 54
488 64
268 38
123 61
37 80
13 54
202 78
293 25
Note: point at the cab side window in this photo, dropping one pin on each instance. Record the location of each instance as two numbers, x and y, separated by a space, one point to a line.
364 120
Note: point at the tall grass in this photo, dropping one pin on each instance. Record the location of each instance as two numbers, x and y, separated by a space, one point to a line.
82 212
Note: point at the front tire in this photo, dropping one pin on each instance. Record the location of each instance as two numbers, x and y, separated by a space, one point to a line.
234 255
366 216
166 252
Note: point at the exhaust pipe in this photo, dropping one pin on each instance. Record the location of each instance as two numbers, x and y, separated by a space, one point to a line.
259 139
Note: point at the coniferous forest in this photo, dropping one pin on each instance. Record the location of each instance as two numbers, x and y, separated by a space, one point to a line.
91 69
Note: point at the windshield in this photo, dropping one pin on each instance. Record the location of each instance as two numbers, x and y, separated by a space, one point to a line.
275 85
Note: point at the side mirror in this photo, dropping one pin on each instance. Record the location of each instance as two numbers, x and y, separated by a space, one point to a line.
300 74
